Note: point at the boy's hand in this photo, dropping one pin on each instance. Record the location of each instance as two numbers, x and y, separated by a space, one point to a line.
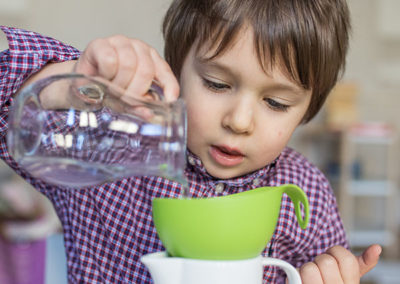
338 265
128 63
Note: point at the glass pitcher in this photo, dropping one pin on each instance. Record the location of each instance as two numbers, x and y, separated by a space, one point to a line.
92 134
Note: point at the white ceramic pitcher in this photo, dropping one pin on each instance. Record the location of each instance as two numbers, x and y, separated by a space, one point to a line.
177 270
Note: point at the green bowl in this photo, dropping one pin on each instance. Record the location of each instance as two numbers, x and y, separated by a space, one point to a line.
231 227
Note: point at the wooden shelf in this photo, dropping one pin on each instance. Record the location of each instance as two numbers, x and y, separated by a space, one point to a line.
374 147
363 238
371 188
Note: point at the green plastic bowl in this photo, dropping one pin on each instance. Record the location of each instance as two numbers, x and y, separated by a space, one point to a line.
231 227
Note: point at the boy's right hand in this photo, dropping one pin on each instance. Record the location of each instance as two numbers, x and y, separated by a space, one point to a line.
129 63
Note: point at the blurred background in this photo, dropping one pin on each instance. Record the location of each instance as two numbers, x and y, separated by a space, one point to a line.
354 139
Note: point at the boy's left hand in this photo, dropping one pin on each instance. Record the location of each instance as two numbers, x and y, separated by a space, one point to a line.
338 265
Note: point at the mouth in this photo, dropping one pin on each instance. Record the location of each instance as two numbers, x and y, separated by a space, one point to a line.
226 156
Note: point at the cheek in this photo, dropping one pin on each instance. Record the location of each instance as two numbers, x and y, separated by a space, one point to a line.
277 139
283 135
193 122
194 115
199 111
196 122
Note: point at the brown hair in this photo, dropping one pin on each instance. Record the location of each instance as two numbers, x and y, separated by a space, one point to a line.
309 38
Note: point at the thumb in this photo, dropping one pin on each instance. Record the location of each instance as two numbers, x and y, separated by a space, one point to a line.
98 59
86 64
369 258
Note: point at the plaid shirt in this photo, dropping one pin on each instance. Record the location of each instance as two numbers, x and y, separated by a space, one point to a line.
107 228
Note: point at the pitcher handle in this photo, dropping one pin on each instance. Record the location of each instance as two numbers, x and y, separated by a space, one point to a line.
292 274
298 197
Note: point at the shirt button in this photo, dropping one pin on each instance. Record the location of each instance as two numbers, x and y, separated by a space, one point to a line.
219 188
256 181
191 161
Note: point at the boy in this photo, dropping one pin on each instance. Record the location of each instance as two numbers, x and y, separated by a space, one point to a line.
250 72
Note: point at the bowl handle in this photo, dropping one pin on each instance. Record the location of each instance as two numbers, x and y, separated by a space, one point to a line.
298 197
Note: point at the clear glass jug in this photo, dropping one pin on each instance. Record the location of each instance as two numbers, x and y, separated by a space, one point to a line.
93 134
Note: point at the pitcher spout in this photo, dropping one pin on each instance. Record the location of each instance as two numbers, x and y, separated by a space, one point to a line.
163 269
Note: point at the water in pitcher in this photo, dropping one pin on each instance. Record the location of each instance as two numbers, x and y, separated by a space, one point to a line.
75 154
73 174
95 141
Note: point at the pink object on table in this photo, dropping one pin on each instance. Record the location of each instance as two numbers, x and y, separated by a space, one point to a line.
22 262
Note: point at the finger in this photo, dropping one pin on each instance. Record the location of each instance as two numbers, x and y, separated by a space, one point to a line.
165 77
369 258
99 58
145 70
127 60
309 273
347 264
329 269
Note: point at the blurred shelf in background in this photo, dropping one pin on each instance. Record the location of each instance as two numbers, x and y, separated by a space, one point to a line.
368 187
362 163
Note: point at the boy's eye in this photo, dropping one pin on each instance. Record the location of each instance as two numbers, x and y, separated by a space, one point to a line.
276 105
215 86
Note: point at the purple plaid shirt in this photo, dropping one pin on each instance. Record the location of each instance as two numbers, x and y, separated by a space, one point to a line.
107 228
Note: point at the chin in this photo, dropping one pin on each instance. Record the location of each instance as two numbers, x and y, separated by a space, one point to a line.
225 173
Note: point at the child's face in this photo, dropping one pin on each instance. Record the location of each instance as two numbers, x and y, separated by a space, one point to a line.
239 118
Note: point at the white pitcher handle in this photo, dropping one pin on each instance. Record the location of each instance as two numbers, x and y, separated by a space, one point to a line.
291 272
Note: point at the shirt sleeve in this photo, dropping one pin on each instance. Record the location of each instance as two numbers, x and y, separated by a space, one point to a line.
28 52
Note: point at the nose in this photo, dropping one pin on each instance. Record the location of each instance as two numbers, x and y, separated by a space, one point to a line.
240 116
